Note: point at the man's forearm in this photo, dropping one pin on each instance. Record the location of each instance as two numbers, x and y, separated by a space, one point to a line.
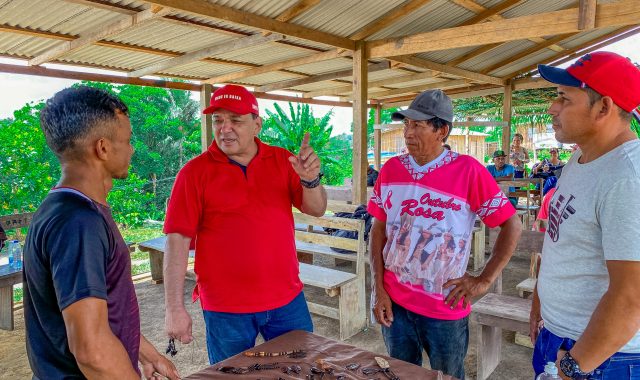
147 351
314 200
613 323
378 240
503 249
174 269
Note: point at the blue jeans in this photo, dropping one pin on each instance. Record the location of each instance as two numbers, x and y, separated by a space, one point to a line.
445 342
229 334
620 366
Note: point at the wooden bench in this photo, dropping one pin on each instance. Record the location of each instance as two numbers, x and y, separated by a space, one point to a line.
492 313
530 244
348 287
9 276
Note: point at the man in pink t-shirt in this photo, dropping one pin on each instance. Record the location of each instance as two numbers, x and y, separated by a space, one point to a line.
424 205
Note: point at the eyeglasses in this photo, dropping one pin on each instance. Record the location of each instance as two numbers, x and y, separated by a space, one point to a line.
553 151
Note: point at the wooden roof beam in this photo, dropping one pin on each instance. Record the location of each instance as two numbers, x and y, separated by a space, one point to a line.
587 14
379 83
237 44
489 12
531 50
484 13
320 78
119 8
77 75
388 19
99 33
332 54
423 87
425 64
229 14
473 54
105 5
299 8
585 48
621 13
115 45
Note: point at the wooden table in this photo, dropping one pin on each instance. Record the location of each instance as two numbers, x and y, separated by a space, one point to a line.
8 277
155 248
335 355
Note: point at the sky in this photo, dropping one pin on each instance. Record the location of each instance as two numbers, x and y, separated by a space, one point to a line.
17 90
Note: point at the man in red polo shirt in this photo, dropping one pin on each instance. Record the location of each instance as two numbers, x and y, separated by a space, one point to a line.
235 200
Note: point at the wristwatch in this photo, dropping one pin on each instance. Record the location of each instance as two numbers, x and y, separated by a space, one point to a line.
313 183
571 369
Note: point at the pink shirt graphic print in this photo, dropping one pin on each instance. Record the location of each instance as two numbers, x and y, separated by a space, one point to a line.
430 214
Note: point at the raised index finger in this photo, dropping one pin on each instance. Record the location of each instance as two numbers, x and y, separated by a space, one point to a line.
305 140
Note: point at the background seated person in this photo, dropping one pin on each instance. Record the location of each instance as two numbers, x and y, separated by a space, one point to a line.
500 170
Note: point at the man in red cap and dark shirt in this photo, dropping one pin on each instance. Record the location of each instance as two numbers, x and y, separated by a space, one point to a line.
235 201
586 310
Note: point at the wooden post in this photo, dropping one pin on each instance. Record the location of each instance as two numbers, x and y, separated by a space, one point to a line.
506 117
206 123
587 14
377 137
360 77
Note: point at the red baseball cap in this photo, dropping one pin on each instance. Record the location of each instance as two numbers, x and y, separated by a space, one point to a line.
233 98
609 74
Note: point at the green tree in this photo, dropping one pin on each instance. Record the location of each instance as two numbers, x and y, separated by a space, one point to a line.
166 134
287 130
28 168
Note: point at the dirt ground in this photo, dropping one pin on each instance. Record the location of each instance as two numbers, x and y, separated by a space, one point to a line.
515 364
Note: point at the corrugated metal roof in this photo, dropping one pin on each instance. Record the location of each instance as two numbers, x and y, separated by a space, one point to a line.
445 56
583 38
198 69
54 16
337 17
267 78
266 8
499 54
325 66
18 44
110 57
319 86
434 15
263 54
524 62
169 36
531 7
345 17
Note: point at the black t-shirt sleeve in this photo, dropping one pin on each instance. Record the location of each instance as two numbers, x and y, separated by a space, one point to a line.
79 250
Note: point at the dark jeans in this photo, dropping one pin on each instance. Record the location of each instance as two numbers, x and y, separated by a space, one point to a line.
445 342
620 366
229 334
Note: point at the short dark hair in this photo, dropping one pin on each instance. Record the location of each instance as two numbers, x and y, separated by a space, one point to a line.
76 112
438 123
594 96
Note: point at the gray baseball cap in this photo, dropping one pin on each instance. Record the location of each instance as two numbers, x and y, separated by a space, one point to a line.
426 106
